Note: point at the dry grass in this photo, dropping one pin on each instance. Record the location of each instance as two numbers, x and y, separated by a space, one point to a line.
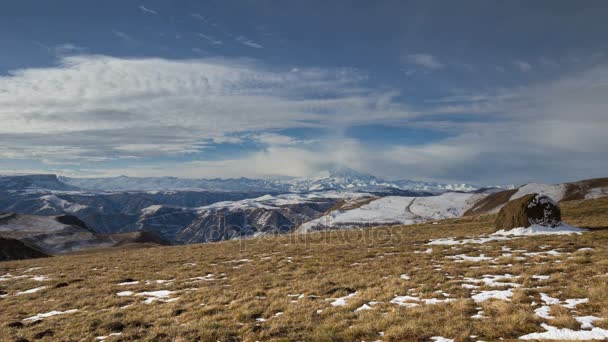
318 266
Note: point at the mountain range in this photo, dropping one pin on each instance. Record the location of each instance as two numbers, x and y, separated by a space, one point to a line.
177 211
338 178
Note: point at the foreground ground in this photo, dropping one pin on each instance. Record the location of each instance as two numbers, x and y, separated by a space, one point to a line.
363 285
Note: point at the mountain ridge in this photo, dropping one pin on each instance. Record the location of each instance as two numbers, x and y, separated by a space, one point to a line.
336 178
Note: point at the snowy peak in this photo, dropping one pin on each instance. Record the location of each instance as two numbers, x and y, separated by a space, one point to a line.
341 178
337 178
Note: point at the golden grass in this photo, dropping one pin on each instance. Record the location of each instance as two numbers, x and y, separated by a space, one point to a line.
253 281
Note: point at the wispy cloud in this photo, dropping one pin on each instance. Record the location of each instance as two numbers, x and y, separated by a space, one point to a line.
249 42
93 107
211 39
99 108
121 35
147 10
522 65
424 60
62 49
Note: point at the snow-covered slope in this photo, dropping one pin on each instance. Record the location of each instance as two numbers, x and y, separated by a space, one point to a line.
263 215
554 191
396 210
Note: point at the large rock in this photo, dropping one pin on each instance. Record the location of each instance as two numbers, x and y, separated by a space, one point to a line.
529 210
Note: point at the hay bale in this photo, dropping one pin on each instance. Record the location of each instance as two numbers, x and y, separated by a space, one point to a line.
528 210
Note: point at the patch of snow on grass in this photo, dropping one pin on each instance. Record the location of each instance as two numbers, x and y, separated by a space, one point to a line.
493 294
544 312
101 338
479 240
586 321
39 317
535 229
127 283
208 277
553 333
502 235
411 301
441 339
548 299
342 300
363 308
478 315
34 290
463 257
492 280
153 296
572 303
541 277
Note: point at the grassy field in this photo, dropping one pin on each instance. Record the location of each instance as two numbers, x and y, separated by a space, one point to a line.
288 288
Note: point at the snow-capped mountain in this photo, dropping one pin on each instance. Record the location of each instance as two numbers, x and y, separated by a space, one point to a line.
192 216
338 178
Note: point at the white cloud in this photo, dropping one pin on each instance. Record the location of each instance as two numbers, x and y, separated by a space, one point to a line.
424 60
551 131
275 139
522 65
249 42
211 39
121 35
147 10
99 106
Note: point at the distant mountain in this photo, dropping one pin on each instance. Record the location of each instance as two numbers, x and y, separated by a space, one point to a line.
338 178
263 215
50 234
71 220
124 183
23 182
113 212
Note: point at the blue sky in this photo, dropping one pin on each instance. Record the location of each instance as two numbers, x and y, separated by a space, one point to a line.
483 92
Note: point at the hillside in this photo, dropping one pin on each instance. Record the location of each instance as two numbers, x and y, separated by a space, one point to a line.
401 283
51 234
12 249
414 209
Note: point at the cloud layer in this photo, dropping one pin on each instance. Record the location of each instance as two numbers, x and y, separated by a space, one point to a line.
104 110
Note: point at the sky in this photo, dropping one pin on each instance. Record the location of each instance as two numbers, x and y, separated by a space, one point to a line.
483 92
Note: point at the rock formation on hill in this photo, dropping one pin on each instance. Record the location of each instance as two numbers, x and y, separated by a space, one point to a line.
532 209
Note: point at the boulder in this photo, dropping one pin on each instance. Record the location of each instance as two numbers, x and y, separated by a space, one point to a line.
532 209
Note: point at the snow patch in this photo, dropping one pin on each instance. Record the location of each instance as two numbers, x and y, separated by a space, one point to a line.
553 333
34 290
342 300
493 294
555 192
39 317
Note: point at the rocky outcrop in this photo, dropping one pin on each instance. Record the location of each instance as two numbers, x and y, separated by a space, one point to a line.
532 209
